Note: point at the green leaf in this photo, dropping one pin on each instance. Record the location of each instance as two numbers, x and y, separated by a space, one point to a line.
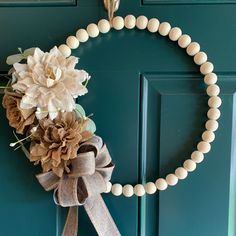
28 52
14 59
80 112
20 50
91 127
11 71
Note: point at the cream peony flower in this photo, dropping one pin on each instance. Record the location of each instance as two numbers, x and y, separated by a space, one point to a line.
49 82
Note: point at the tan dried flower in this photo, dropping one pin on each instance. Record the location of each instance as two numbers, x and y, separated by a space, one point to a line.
19 118
56 142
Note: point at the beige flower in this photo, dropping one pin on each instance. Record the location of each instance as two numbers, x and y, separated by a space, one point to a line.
49 82
56 142
19 118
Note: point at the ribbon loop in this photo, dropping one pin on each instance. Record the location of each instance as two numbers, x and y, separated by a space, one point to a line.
95 184
106 173
103 158
48 180
83 165
66 193
93 144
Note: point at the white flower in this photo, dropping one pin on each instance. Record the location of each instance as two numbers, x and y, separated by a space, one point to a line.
49 82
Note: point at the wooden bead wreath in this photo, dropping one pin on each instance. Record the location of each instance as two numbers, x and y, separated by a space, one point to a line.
206 68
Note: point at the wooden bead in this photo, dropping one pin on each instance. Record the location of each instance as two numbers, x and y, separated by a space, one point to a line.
65 50
164 28
210 78
213 90
208 136
203 147
206 68
139 190
150 188
142 22
118 23
153 25
92 30
213 114
214 102
130 22
184 41
193 48
175 33
197 156
181 173
116 189
212 125
128 190
109 186
171 179
72 42
190 165
82 35
104 26
200 58
161 184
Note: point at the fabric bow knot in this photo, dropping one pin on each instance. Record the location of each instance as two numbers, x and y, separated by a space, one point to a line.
90 172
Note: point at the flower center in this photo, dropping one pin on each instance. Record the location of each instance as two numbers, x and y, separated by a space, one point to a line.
49 73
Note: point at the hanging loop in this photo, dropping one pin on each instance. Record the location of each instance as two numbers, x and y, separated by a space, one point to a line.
112 6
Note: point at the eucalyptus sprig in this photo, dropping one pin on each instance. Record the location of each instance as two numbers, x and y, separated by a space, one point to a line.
80 113
20 56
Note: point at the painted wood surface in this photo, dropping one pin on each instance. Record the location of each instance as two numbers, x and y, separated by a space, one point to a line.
149 105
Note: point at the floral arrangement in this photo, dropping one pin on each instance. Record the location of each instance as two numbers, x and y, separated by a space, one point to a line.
40 102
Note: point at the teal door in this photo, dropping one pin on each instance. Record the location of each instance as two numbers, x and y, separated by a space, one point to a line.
149 104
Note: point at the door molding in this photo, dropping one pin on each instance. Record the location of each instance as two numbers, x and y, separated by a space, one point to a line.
24 3
188 2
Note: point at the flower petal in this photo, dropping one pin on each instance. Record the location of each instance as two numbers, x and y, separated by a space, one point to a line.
20 67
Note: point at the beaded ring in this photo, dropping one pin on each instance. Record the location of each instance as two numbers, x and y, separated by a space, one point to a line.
206 68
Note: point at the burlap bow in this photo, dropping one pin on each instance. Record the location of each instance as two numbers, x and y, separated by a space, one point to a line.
90 172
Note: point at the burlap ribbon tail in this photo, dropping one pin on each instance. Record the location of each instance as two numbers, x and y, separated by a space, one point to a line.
90 171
